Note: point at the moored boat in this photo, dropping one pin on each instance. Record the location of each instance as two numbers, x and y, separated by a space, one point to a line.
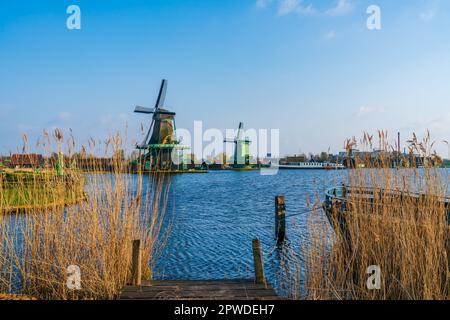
310 166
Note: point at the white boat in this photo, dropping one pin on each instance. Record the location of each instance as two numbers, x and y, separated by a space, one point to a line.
310 166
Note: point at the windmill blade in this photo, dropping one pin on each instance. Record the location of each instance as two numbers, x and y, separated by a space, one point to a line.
147 136
161 95
145 110
238 136
170 113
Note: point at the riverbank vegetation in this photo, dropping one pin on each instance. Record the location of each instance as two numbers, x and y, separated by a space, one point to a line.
400 238
22 190
39 244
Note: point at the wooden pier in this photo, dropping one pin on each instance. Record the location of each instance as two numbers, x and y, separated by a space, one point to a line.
229 289
199 290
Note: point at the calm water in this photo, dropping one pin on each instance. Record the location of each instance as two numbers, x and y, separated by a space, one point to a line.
215 216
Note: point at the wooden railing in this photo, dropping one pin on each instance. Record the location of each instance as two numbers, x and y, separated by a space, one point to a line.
341 197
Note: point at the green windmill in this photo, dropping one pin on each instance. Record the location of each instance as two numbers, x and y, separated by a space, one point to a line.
160 141
241 158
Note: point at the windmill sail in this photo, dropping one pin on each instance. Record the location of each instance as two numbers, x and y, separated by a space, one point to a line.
145 110
161 95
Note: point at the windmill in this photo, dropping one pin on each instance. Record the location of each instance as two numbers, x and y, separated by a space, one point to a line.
160 139
241 156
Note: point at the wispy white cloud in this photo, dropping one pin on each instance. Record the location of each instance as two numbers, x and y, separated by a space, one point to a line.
365 110
288 6
437 125
341 7
428 15
306 10
300 7
429 12
294 6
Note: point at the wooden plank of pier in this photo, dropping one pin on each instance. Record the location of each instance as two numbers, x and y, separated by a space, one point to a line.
199 290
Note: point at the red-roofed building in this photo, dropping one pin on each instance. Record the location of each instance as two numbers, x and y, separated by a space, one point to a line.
31 160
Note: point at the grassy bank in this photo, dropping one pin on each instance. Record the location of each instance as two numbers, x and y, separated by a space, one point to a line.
22 190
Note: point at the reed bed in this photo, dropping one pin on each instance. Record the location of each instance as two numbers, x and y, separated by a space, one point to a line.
405 236
41 246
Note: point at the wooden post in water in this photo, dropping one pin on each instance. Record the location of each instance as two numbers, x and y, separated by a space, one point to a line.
280 219
258 262
136 272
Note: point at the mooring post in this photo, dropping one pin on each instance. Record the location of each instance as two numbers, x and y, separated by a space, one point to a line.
136 271
344 196
280 219
258 262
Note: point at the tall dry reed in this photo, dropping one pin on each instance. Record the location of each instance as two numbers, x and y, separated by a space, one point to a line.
39 244
404 230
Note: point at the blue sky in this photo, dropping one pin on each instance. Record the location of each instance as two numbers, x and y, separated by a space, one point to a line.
309 68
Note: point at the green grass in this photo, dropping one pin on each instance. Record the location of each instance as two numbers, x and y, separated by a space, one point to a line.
27 190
